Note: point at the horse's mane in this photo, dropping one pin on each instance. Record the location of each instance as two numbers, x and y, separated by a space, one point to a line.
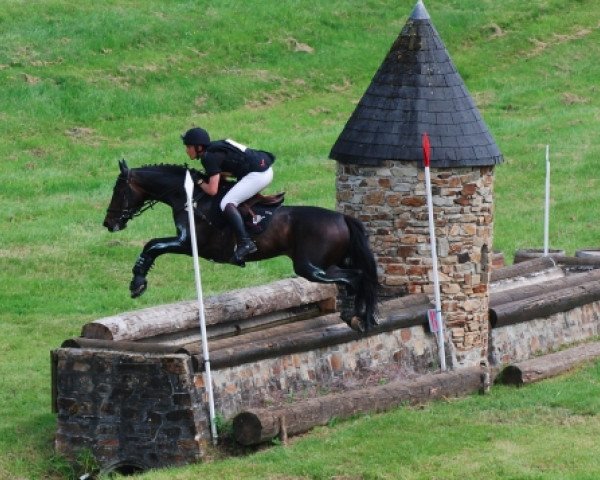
170 168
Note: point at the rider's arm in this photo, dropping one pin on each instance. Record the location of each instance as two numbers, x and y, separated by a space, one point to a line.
212 165
212 185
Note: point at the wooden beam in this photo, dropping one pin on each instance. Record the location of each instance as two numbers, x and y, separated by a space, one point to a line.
245 337
522 269
529 291
592 262
398 313
547 366
255 426
545 304
119 345
227 307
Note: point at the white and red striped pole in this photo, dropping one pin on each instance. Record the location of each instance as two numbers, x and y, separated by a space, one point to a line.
439 324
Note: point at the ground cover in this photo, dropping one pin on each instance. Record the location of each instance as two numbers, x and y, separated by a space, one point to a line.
84 85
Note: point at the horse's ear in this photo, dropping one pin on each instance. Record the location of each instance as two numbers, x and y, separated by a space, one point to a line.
123 166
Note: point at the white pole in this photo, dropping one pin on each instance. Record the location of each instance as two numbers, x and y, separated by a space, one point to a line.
547 209
189 189
434 259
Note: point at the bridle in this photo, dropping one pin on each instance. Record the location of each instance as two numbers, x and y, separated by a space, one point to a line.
127 213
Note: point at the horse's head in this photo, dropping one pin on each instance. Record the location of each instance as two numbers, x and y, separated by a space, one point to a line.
126 201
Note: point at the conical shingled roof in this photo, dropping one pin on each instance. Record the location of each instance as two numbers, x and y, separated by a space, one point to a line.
417 89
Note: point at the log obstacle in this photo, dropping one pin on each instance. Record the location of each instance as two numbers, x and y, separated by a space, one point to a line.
323 332
266 304
530 272
254 426
547 366
138 375
542 300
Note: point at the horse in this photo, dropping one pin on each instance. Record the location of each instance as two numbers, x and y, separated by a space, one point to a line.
325 246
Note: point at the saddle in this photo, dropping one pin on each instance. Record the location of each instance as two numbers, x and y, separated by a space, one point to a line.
256 211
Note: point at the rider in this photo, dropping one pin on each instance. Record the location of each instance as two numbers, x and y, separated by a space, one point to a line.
252 169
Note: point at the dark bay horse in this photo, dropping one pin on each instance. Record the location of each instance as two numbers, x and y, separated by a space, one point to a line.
324 246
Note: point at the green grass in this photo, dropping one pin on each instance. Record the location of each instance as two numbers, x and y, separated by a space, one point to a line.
540 432
86 84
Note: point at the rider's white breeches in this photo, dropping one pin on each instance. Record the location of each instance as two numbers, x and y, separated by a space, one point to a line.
247 186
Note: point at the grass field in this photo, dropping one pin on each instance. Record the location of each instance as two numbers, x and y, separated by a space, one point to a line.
85 84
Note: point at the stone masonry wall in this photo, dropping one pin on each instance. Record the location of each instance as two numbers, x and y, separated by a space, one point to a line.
522 341
150 410
391 201
368 361
134 409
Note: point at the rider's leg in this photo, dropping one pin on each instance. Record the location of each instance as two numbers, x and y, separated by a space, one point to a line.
245 188
245 245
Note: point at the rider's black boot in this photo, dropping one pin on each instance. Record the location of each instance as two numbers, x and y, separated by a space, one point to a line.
245 245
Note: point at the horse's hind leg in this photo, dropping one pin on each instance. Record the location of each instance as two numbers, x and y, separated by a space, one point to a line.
349 279
333 274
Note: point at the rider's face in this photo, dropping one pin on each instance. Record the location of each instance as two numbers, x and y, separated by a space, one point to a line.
191 151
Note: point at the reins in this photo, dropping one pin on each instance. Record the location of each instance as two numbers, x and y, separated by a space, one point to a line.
128 214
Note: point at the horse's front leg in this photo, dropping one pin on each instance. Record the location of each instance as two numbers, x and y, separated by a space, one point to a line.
153 249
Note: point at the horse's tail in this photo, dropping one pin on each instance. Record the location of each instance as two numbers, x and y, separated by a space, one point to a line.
362 259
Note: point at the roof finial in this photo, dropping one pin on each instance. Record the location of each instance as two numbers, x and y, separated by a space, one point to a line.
419 12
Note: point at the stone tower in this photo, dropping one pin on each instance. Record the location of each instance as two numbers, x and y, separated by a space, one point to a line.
380 180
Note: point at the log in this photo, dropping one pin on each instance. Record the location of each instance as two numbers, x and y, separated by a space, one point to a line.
398 313
227 307
547 366
544 305
193 348
592 262
256 426
120 345
528 291
522 269
541 277
231 329
526 254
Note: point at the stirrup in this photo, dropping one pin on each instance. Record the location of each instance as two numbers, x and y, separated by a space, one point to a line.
242 251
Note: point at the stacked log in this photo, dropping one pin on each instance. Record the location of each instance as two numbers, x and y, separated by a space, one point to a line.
394 314
277 298
258 341
547 366
522 269
542 300
256 426
539 270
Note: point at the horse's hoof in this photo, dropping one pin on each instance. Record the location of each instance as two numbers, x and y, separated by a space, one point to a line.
357 324
237 262
138 286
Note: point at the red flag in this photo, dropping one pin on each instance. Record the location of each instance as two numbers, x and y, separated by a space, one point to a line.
426 149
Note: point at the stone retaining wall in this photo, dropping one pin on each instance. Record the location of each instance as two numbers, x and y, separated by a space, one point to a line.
379 358
134 409
150 410
522 341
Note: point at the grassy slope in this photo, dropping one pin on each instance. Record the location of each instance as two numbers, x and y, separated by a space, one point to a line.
86 84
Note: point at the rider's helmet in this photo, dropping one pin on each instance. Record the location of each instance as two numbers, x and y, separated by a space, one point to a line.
196 136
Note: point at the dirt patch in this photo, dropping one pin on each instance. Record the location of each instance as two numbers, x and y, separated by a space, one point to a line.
79 132
557 39
494 31
297 46
31 80
484 99
572 98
